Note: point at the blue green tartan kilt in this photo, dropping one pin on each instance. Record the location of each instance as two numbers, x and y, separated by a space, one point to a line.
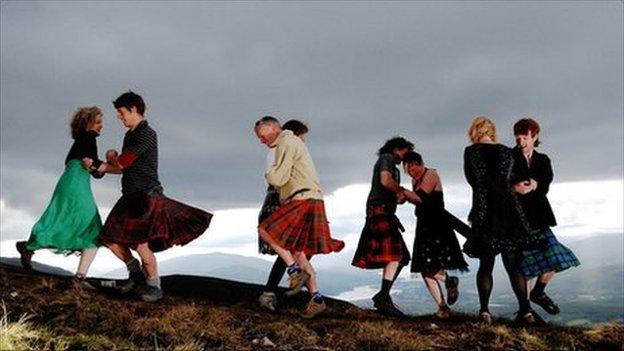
554 256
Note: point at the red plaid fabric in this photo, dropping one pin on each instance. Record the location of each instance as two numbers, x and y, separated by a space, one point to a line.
381 241
302 226
162 222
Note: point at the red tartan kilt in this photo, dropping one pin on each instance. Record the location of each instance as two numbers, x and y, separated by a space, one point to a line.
302 226
381 242
156 219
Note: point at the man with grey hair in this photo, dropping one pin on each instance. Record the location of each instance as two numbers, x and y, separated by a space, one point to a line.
299 228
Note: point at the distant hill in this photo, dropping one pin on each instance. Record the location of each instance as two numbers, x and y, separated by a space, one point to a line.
255 270
202 313
40 267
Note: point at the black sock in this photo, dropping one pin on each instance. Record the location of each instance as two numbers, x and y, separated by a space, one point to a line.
277 272
386 285
538 289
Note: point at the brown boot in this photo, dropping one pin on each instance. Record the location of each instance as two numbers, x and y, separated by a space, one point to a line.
297 281
313 309
443 312
25 254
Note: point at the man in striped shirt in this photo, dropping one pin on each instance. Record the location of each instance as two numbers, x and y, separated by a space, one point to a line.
144 219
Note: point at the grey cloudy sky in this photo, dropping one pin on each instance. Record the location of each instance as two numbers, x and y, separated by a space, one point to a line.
357 73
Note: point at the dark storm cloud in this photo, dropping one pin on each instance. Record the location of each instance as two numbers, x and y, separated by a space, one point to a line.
358 73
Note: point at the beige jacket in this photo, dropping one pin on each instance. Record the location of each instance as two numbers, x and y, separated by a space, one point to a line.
293 169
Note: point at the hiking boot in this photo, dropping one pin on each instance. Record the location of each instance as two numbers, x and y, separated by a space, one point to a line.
297 281
152 294
25 254
530 318
443 312
485 318
385 306
81 282
313 309
545 302
268 300
452 289
125 286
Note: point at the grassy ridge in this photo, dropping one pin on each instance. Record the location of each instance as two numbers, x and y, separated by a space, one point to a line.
64 317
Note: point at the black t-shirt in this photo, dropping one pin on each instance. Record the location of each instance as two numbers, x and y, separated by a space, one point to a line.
142 174
379 195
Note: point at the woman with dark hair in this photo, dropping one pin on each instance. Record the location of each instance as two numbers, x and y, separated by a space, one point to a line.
498 222
436 248
271 203
381 244
71 222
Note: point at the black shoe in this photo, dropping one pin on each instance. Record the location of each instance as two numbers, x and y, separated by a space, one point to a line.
545 302
81 282
385 306
530 318
135 280
452 289
25 254
153 294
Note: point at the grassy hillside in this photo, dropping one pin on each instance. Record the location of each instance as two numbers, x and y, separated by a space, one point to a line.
47 312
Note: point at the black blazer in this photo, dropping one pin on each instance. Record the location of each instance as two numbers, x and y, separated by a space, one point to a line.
535 204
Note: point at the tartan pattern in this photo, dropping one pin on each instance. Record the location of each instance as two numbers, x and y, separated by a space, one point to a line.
271 204
381 241
554 256
302 226
154 218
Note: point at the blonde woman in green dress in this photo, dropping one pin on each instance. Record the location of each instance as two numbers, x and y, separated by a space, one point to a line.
71 223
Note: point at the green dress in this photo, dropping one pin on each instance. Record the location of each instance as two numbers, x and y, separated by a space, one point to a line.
71 222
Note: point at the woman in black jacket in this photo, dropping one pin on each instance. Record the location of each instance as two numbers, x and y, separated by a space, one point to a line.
498 223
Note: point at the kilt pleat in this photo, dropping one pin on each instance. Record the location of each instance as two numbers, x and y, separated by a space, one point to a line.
155 219
302 226
553 256
381 241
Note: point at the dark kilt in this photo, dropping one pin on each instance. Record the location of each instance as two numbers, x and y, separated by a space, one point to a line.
554 256
381 241
302 226
271 204
155 219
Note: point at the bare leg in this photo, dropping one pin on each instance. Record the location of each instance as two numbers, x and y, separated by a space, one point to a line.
304 263
283 253
390 269
546 277
86 258
440 275
148 259
122 252
431 281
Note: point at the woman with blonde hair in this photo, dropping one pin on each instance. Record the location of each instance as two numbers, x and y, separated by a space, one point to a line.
497 220
71 223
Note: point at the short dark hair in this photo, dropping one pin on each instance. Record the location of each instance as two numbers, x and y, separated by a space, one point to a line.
412 157
526 125
266 120
395 143
130 99
297 127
